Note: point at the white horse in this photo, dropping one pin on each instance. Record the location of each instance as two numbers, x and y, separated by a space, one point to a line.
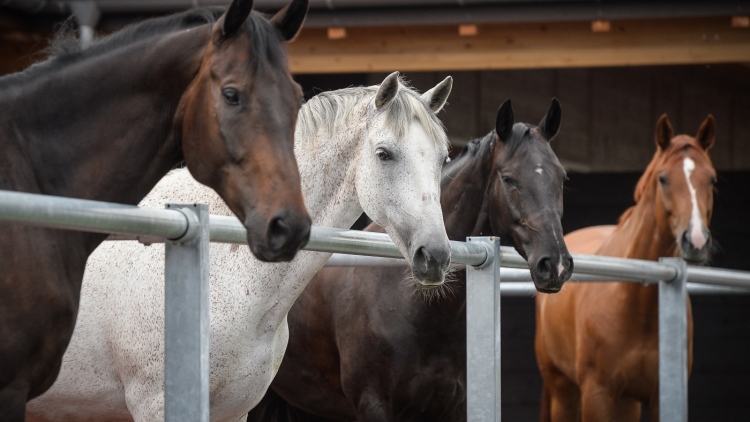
377 149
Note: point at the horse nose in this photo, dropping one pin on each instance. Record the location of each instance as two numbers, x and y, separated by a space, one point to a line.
286 234
697 239
695 244
551 272
430 264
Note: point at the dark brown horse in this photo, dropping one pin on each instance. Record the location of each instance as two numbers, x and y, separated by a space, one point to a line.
207 87
597 344
366 345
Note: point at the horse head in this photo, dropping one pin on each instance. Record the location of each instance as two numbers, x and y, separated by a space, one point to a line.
405 141
237 126
683 178
525 197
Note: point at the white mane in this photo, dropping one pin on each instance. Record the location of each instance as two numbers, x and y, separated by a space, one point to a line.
332 111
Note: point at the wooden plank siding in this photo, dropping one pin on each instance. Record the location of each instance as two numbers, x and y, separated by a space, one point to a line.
522 45
609 114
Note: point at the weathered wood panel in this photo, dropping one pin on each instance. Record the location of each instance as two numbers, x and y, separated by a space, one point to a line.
609 114
522 45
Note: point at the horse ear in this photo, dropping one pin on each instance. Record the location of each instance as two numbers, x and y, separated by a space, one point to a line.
387 91
437 96
504 121
235 16
664 132
551 122
289 19
707 132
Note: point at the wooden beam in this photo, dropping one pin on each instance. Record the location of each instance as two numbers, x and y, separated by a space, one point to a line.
515 46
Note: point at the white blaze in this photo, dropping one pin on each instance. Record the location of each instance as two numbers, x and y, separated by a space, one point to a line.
696 233
560 266
538 170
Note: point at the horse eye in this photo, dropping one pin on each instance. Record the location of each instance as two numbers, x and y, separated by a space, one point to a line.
231 96
714 181
383 154
663 179
509 181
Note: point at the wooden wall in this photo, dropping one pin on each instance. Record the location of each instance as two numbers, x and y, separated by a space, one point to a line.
522 45
609 114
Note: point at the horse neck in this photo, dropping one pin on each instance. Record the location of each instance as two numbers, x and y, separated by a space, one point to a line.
463 193
327 164
103 127
638 236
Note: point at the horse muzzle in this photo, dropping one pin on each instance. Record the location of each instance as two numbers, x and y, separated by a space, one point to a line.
430 263
695 245
284 235
551 272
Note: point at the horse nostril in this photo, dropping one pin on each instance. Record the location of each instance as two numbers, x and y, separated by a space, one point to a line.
420 259
544 268
279 233
569 264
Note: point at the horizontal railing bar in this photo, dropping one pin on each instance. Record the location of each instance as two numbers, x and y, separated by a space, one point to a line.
149 224
93 216
718 276
526 289
326 239
631 269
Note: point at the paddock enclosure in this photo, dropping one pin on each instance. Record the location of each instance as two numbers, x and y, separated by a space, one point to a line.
615 65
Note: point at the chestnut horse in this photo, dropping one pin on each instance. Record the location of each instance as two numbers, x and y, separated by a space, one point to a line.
207 87
365 345
597 344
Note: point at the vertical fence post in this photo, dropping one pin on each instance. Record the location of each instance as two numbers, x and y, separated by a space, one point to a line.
483 335
186 320
673 356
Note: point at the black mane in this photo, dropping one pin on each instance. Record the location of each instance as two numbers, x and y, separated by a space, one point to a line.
473 148
65 48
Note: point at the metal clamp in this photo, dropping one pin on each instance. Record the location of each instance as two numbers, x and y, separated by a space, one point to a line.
191 222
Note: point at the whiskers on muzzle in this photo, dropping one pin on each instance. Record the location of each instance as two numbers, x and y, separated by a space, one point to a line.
434 293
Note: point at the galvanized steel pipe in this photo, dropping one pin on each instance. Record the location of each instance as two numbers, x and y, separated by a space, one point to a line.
105 217
717 276
94 216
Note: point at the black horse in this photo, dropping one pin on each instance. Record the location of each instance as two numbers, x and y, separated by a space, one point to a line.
366 346
208 87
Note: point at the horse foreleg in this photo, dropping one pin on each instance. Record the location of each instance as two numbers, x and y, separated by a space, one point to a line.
13 401
372 411
546 404
560 400
653 410
597 404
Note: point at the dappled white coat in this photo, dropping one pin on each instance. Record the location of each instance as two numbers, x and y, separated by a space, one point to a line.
114 367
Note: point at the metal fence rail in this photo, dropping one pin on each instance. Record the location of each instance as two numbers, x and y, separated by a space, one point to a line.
189 228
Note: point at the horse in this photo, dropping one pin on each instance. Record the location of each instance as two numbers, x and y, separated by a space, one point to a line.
207 87
377 149
597 344
365 345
